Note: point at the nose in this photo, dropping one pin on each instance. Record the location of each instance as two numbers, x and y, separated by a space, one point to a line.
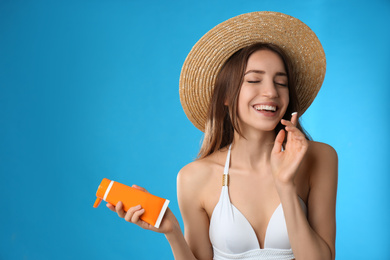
269 89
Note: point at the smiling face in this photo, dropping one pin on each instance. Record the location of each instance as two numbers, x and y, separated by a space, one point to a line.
264 94
251 93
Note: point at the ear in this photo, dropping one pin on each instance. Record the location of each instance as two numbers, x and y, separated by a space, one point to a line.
226 103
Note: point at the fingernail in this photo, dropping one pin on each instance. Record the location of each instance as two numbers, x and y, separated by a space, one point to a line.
294 113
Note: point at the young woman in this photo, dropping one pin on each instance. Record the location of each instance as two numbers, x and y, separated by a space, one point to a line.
260 188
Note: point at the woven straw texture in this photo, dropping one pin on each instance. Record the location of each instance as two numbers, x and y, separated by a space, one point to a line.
209 54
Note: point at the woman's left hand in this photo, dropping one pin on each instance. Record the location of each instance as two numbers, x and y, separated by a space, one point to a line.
284 164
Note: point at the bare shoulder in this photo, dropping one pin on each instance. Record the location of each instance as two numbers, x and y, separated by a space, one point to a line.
199 181
322 160
322 149
198 175
321 154
195 173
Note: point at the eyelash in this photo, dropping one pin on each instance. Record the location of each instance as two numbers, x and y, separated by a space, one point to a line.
257 81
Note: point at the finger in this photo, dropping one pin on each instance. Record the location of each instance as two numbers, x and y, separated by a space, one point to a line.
139 188
294 118
131 212
293 122
111 207
279 142
292 129
137 215
119 209
289 127
294 135
286 122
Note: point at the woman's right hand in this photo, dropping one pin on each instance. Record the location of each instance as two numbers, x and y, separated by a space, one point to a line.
133 215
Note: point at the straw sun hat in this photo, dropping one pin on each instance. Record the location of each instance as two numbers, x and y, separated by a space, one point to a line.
209 54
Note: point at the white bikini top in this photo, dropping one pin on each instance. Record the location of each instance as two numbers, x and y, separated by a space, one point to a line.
233 237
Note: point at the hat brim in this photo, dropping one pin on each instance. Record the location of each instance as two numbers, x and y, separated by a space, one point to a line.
206 58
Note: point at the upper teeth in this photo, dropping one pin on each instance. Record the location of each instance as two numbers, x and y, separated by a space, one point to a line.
265 107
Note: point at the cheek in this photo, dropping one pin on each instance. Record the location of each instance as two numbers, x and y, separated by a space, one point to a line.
244 98
241 107
245 94
286 100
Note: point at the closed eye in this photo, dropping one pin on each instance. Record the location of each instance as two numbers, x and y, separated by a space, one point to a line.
281 84
253 81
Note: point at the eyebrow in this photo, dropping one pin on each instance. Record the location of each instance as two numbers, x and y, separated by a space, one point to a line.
263 72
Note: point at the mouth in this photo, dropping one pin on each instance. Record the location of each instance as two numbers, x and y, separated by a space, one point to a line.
266 108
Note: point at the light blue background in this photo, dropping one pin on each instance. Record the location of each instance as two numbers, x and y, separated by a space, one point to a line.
89 89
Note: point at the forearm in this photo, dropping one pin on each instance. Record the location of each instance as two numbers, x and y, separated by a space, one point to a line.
179 246
305 242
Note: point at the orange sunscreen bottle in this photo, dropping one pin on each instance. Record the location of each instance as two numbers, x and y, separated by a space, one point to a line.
113 192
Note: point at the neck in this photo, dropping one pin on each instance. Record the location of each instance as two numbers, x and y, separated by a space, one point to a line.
254 151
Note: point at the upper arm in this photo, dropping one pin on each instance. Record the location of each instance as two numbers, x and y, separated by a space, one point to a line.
195 218
323 191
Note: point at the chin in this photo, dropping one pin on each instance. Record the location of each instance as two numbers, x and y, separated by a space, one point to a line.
258 128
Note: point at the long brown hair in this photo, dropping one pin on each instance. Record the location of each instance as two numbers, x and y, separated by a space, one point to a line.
222 119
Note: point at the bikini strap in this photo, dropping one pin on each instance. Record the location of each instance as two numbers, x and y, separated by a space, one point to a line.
225 178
